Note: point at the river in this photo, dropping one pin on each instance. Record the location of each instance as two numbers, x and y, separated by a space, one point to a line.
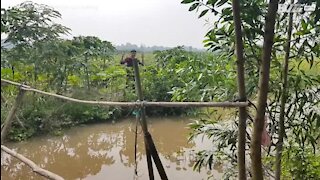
106 151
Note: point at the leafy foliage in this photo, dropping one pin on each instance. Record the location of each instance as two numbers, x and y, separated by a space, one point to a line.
302 106
29 22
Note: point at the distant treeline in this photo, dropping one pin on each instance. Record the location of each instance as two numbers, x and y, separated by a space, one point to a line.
143 48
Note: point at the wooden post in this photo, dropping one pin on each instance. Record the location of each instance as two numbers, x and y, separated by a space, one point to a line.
242 173
149 144
7 123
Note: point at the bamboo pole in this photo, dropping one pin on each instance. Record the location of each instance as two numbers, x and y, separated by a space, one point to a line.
155 156
142 117
150 147
242 175
134 104
32 165
7 123
284 96
257 173
4 81
197 104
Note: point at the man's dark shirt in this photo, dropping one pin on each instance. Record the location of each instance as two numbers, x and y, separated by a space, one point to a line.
129 62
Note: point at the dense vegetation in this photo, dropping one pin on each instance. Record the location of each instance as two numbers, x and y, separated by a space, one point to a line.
293 132
84 67
87 67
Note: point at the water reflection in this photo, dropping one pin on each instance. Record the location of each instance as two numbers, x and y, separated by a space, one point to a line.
106 151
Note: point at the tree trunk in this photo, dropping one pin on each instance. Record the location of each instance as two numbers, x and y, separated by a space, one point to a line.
7 123
257 173
35 74
284 95
242 91
87 72
61 79
65 78
12 68
4 101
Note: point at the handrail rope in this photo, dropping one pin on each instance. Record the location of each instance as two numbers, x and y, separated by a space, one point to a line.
134 104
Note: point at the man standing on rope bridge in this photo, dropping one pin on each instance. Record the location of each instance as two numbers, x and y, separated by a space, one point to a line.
128 62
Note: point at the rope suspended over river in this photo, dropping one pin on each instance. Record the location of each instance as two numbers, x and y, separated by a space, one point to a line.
140 104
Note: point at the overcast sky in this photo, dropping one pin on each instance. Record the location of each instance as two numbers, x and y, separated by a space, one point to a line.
148 22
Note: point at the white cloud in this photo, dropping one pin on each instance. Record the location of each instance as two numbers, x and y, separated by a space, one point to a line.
149 22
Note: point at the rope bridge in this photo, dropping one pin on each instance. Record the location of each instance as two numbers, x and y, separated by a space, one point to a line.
151 151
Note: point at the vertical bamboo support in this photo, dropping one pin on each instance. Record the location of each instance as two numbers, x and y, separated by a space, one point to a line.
149 144
284 97
264 75
242 175
135 147
143 121
7 123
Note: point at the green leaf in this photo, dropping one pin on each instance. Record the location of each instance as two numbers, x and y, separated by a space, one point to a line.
203 13
211 2
304 24
227 11
193 6
200 76
222 2
187 1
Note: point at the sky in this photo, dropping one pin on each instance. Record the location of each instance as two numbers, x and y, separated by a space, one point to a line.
147 22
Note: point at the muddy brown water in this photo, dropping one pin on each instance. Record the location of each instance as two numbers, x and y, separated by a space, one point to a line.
106 151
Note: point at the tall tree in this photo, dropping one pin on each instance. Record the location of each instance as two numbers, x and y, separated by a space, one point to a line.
30 22
305 47
257 173
26 24
242 91
89 48
284 96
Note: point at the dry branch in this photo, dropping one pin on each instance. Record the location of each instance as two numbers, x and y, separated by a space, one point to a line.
31 164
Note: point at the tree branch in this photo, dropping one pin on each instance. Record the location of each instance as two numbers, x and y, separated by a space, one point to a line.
31 164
